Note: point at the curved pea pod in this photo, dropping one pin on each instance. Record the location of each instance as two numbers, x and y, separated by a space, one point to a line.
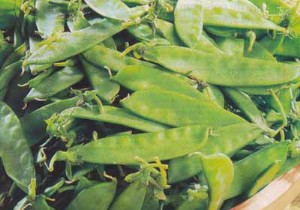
99 78
244 178
257 51
215 94
231 46
50 18
168 31
145 33
117 116
288 48
264 179
98 196
64 45
227 140
272 43
8 73
139 77
189 14
14 150
112 59
165 145
56 82
215 69
218 171
15 56
178 110
236 14
34 125
116 9
247 106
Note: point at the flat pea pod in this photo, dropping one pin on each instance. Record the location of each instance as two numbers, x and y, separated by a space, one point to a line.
262 90
15 56
168 31
215 94
194 204
56 82
165 145
288 48
189 14
236 14
178 110
100 80
242 181
115 115
139 77
257 51
112 59
98 197
222 69
33 123
247 106
115 9
50 18
222 141
9 12
231 46
8 73
40 203
264 178
272 43
64 45
14 150
218 171
150 201
5 49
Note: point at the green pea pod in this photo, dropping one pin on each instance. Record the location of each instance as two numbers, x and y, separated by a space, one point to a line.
241 180
14 150
262 90
50 18
139 77
236 14
189 14
98 197
113 115
163 144
177 109
215 94
264 178
142 2
218 171
40 203
99 78
8 73
288 48
83 183
15 56
168 31
194 204
144 33
64 45
115 9
272 43
210 68
112 59
34 125
5 49
56 82
257 51
34 82
9 12
247 106
150 201
222 141
231 46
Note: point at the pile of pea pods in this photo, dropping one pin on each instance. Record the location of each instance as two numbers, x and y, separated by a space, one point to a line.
146 104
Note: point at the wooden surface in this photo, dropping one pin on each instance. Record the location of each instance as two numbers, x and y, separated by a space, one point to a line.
277 195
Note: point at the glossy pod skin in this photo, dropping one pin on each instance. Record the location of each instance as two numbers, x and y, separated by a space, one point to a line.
222 69
66 44
98 196
139 77
164 145
178 110
242 181
14 150
222 141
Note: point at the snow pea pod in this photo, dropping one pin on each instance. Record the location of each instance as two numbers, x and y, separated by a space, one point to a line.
99 78
114 115
14 151
168 31
8 73
222 142
15 56
5 49
50 18
64 45
98 197
231 46
241 180
9 12
257 51
112 59
177 109
55 83
222 69
218 171
288 48
214 93
34 125
139 77
236 14
165 145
